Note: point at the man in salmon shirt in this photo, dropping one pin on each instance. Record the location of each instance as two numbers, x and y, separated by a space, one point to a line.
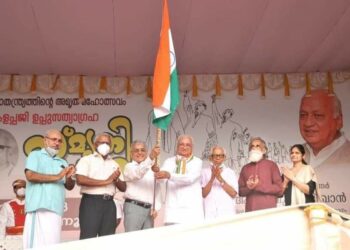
260 180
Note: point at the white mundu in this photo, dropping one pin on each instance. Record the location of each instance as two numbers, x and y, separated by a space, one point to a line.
38 221
184 203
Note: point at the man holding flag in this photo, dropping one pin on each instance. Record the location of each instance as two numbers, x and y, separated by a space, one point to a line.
182 172
184 203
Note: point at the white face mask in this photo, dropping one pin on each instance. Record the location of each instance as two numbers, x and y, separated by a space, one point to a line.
103 149
51 151
255 155
21 191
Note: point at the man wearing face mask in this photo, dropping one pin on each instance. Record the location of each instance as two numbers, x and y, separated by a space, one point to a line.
98 175
48 176
12 214
260 180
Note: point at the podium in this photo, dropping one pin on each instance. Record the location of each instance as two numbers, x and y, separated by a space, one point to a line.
11 244
314 226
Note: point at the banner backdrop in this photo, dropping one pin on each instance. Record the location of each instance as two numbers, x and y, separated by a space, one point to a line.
228 120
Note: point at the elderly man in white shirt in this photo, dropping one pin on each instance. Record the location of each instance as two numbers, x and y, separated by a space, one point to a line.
327 149
219 186
138 211
184 203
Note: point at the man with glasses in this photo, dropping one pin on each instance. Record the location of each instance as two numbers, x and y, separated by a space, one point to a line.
260 180
219 186
184 203
139 176
48 175
98 175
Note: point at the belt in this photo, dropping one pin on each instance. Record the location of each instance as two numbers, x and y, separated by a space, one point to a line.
99 196
139 203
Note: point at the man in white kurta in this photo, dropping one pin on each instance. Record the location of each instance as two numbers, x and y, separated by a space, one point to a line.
184 203
219 186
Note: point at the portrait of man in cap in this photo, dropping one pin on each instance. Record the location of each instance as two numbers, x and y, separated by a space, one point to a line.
8 152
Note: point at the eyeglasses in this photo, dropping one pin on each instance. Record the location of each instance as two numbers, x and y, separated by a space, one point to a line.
218 155
55 139
256 146
139 150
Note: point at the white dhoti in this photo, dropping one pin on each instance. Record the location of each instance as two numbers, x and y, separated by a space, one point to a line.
41 228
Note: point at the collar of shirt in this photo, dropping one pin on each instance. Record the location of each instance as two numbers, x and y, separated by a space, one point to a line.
43 151
326 152
136 163
20 202
179 158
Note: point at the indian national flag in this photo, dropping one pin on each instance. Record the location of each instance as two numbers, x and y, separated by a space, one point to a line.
166 95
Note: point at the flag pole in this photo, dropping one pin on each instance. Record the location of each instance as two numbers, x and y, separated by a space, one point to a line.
158 141
166 97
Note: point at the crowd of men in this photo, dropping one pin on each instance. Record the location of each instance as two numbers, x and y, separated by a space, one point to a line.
194 191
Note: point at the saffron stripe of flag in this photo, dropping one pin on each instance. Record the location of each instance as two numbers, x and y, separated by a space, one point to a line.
166 95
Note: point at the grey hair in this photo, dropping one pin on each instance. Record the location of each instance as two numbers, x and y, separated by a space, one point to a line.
217 147
336 104
258 139
103 134
52 131
138 142
336 107
181 137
